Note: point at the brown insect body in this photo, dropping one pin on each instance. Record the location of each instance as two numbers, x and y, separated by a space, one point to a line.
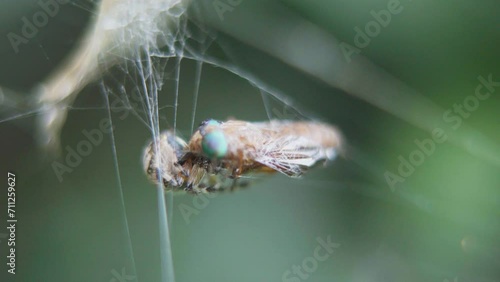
256 146
249 147
243 139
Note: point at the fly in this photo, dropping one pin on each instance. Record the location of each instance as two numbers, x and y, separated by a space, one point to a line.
220 155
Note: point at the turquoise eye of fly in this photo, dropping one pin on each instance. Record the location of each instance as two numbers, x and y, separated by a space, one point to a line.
206 123
212 122
214 144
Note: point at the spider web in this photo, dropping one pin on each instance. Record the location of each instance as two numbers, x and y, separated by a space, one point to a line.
139 71
135 53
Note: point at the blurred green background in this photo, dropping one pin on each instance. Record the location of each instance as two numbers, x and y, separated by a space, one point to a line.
440 224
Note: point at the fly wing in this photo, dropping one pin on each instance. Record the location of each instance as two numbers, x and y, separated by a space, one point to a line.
293 155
